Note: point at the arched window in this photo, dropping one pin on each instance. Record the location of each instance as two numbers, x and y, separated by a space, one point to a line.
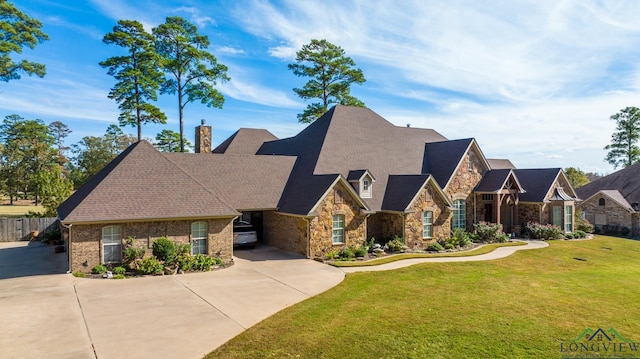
601 202
111 244
459 214
199 238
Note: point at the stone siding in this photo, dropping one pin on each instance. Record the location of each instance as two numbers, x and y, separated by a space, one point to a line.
86 240
615 214
464 182
285 232
355 224
427 200
385 225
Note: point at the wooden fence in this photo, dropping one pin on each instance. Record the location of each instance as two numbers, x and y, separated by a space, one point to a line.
20 229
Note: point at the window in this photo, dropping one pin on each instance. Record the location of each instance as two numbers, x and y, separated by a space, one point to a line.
338 229
568 219
459 214
601 202
111 244
199 237
427 224
488 197
366 188
557 216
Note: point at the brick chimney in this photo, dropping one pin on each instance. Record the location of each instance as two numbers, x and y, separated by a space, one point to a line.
203 138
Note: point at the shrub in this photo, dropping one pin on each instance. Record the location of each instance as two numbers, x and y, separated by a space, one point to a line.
150 265
625 231
79 274
490 232
396 244
569 236
543 231
435 247
131 254
584 225
204 263
99 269
52 235
360 251
118 276
334 254
347 253
119 270
579 234
165 250
459 238
449 246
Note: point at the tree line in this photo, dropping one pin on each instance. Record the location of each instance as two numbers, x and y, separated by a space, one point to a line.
172 59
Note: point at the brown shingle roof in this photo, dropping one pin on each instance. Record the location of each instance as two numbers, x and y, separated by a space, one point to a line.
626 181
245 182
141 184
499 164
350 138
538 183
245 141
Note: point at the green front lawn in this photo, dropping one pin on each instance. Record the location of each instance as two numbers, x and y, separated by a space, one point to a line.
522 306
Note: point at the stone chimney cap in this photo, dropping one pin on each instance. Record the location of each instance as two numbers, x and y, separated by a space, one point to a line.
203 122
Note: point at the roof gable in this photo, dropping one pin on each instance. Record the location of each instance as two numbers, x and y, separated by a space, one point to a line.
245 141
403 190
442 159
495 181
539 183
615 196
140 184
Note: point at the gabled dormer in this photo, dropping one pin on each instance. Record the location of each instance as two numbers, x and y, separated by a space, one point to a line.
362 182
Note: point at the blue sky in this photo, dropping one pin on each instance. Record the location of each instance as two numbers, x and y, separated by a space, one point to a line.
532 81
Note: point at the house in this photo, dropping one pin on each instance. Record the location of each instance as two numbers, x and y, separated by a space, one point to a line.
613 200
349 176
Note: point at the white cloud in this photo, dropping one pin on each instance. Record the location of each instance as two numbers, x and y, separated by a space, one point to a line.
252 92
200 20
230 50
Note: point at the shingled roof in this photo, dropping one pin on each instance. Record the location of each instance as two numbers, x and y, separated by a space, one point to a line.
495 180
346 139
538 183
500 163
626 181
245 141
141 184
245 182
403 189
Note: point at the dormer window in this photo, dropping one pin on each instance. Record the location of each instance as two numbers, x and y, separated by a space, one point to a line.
362 182
366 188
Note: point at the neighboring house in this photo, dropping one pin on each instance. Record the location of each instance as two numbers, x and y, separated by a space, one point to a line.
613 200
349 176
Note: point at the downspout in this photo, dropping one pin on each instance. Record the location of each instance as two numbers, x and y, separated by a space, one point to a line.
475 211
69 246
540 213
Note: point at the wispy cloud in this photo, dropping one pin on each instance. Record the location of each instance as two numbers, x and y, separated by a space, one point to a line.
200 20
230 50
250 91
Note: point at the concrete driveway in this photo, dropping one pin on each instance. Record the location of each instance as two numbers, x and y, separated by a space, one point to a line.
46 315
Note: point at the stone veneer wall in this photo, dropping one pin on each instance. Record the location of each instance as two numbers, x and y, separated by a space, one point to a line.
86 240
427 200
616 214
529 212
285 232
355 231
385 225
464 182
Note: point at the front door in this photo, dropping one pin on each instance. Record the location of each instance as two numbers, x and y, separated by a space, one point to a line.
488 212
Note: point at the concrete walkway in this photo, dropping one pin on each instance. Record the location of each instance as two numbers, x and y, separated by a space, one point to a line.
498 253
48 315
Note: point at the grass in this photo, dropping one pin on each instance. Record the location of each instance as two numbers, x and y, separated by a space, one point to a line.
396 257
19 208
522 306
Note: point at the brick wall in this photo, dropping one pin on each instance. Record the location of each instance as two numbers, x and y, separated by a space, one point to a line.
86 250
285 232
614 213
